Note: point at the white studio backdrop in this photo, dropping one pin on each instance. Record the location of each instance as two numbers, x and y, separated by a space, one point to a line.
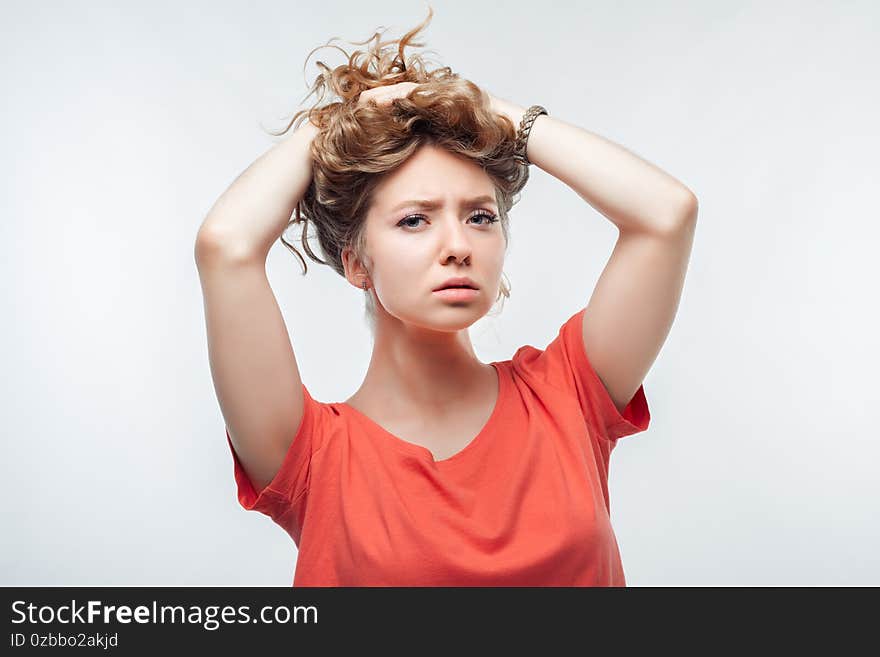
122 124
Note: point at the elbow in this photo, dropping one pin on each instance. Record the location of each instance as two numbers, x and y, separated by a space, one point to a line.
213 244
690 206
685 210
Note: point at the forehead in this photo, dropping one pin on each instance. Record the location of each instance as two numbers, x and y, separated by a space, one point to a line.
433 173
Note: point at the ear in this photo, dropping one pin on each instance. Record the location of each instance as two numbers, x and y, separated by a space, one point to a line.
354 270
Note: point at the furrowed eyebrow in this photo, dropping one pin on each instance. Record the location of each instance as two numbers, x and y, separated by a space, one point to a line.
430 205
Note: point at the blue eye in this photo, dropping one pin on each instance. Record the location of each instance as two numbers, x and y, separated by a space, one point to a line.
490 218
405 219
487 216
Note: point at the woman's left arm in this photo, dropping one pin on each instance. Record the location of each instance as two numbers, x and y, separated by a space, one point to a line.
631 310
630 192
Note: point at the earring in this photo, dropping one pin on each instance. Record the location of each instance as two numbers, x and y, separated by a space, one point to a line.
364 284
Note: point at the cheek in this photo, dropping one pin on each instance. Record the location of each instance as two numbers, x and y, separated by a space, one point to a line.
497 255
400 266
399 253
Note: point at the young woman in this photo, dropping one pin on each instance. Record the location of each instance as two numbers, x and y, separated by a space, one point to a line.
440 470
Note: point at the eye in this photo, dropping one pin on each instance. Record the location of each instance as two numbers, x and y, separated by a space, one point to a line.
403 222
488 218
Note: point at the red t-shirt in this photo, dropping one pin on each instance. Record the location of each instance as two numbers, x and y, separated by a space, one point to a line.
525 503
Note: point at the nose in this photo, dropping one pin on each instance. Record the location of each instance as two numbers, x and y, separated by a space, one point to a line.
455 239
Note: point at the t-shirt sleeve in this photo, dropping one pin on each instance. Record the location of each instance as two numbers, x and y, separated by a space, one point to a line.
564 364
290 484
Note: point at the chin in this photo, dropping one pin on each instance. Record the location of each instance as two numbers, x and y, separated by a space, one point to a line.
451 318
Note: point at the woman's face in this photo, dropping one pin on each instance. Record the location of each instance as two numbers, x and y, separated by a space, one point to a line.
412 248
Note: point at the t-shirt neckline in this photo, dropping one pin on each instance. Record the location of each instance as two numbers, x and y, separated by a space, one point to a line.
425 453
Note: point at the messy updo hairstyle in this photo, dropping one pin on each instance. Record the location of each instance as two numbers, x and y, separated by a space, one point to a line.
356 146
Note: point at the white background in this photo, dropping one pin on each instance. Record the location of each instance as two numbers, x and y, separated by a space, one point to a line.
122 124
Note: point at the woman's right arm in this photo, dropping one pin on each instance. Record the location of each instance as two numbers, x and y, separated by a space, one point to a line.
253 366
250 216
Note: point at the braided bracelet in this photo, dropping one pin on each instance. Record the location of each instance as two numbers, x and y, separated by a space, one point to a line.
522 135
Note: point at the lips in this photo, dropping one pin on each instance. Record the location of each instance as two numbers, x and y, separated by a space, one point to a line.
457 294
460 282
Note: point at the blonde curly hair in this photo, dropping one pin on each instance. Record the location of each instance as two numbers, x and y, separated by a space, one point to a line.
358 144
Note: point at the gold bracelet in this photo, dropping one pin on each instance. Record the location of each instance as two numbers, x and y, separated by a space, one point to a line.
522 135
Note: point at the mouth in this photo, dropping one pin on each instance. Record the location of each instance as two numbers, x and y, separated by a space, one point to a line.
457 283
457 293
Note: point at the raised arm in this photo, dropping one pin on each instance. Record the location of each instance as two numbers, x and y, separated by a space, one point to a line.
253 366
633 305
